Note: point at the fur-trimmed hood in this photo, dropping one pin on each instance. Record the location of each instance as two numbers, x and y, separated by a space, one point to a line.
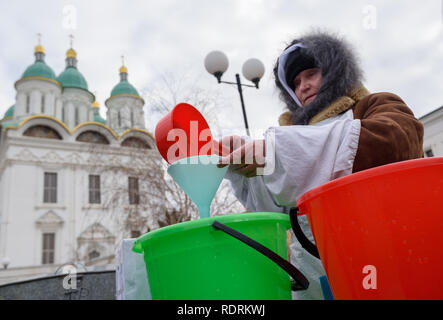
339 68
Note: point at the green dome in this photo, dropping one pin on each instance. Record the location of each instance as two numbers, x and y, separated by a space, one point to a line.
98 118
10 112
124 87
39 69
72 78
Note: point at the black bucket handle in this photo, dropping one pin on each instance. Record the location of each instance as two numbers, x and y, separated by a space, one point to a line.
301 237
300 282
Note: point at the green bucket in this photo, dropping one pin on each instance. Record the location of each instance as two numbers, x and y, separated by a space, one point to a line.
237 256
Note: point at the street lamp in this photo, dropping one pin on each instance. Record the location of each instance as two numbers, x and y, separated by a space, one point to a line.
5 262
216 63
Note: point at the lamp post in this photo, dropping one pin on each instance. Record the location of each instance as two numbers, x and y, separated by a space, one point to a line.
5 262
216 63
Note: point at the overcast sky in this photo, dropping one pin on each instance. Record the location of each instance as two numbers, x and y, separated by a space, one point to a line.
399 44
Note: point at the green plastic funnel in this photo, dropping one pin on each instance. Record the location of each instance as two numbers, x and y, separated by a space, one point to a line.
199 177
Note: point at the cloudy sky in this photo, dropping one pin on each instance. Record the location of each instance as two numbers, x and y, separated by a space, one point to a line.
399 44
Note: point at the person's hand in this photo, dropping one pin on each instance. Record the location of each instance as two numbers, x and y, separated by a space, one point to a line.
232 142
227 144
246 159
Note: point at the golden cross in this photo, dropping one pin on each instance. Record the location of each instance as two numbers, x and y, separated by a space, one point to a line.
72 39
123 60
39 36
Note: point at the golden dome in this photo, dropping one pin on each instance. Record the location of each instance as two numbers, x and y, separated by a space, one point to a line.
123 69
39 48
95 104
71 53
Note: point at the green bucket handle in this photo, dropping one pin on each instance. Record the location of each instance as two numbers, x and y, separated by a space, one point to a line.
299 281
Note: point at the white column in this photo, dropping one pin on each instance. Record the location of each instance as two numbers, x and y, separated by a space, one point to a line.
113 121
126 118
137 119
108 118
83 113
20 104
58 108
50 104
140 118
70 114
36 102
5 207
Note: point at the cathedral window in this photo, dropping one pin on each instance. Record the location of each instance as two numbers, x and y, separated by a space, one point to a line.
42 132
28 102
119 119
93 255
92 137
48 248
94 188
50 188
43 105
76 117
133 142
63 114
132 119
133 190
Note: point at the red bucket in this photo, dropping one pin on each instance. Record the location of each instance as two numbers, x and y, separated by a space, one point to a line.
379 232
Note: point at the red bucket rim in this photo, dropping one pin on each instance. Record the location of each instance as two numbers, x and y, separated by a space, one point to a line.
367 174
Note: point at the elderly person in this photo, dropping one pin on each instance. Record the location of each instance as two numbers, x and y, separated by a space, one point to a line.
334 127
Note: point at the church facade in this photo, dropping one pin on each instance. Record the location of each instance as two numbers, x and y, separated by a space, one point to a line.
72 184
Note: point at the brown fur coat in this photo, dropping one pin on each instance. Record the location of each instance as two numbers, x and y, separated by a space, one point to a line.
389 130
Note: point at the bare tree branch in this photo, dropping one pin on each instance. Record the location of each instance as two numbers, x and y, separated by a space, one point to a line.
159 200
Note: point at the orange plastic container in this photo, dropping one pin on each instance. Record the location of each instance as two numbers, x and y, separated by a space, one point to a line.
186 128
190 121
379 232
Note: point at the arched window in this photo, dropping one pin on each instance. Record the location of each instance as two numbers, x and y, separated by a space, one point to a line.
28 102
119 119
92 137
94 254
76 116
133 142
132 119
40 131
63 114
43 104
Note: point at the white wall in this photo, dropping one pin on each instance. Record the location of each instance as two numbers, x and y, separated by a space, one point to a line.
21 206
79 99
433 132
124 105
35 89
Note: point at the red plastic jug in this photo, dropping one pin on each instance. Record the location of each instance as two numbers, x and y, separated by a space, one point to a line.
184 132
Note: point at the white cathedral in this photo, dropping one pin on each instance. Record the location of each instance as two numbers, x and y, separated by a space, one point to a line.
56 160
